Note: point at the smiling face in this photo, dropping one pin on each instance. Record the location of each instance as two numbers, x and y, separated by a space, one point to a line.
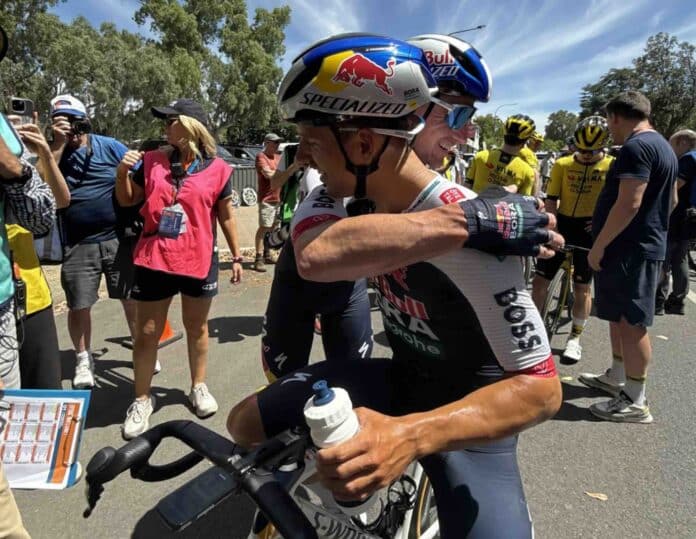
433 143
318 146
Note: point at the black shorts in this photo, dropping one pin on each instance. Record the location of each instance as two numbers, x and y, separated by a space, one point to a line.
151 285
573 230
625 288
124 264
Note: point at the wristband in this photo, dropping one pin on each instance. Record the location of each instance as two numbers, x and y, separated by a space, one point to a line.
237 259
23 177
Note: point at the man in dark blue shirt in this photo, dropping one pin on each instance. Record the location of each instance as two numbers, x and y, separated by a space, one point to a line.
88 163
684 145
630 230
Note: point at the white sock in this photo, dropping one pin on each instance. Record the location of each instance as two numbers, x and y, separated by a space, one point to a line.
617 372
82 356
635 389
578 326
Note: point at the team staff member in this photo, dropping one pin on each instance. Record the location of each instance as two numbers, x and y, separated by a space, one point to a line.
185 188
504 166
630 230
577 181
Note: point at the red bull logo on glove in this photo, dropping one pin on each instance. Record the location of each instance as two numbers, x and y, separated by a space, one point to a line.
357 69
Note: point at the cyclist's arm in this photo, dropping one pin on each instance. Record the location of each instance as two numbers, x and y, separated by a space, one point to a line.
368 245
385 445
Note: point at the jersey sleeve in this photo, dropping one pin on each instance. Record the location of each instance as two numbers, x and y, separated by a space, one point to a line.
526 186
317 209
553 190
471 171
633 162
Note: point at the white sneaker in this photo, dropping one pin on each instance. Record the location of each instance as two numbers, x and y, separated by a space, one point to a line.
602 381
202 401
84 374
573 349
622 410
158 366
137 417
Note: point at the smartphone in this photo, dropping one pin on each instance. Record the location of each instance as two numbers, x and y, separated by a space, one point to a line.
24 108
191 501
9 135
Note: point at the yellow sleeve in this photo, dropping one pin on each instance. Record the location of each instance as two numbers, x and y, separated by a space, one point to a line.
471 171
553 189
526 186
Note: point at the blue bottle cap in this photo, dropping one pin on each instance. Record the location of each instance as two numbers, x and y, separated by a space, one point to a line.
323 394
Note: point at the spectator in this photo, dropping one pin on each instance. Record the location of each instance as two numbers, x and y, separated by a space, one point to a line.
629 226
546 167
88 163
39 354
676 262
184 187
269 197
24 191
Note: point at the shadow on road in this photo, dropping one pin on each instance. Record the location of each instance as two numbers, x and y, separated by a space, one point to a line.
571 412
114 391
234 328
232 518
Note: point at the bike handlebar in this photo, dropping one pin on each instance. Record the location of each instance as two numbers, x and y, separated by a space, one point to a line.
272 499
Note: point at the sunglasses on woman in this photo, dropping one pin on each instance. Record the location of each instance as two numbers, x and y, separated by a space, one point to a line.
457 115
170 121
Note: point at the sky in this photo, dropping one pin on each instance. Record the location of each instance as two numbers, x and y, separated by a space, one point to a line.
541 53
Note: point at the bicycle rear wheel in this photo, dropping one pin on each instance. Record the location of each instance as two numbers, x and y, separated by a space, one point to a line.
424 523
556 298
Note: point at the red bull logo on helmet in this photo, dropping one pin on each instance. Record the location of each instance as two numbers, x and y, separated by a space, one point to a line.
357 69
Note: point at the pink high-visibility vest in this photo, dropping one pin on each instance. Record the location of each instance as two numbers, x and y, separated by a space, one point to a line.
189 254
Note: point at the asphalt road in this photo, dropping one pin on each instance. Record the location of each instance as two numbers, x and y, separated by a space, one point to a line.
647 472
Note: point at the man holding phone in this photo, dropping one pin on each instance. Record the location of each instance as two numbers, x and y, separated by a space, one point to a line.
88 163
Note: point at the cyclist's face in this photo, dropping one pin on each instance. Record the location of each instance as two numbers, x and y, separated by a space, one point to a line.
319 148
433 143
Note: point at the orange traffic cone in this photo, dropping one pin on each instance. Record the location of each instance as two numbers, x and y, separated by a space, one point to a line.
168 335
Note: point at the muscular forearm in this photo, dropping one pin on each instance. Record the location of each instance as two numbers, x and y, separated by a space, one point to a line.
370 245
618 219
490 413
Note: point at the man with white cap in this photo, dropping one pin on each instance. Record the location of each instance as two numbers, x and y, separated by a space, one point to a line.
88 163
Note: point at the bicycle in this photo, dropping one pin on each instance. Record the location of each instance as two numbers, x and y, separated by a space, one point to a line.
559 294
298 507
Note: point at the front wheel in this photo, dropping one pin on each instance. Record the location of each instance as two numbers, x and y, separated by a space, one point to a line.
556 297
424 522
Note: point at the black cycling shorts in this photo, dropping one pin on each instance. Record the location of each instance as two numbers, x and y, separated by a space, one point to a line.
344 306
574 232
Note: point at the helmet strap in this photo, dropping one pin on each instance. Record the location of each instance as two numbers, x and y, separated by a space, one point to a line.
427 112
360 205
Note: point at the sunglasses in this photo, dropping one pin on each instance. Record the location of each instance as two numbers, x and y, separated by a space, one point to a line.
170 121
589 152
457 115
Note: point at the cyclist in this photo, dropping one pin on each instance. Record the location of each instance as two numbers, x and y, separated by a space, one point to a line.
505 166
453 330
572 193
528 152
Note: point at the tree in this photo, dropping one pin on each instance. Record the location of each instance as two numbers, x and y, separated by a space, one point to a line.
665 73
561 125
490 130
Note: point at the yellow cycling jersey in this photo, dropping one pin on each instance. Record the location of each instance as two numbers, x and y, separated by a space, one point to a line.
529 157
577 185
495 167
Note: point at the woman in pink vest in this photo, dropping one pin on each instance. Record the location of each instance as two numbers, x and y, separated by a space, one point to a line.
184 188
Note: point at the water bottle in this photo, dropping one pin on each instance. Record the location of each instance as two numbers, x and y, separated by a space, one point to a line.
331 420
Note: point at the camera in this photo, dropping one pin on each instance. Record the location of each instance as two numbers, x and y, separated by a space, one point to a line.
80 126
276 239
24 108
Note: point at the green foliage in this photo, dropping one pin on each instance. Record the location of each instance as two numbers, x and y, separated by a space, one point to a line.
665 73
204 49
561 125
490 130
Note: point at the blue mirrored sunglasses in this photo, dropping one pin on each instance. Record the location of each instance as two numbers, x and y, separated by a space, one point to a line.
457 115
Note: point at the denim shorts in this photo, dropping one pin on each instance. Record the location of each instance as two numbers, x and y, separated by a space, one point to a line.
625 288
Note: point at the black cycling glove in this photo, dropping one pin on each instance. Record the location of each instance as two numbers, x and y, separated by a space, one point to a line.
504 223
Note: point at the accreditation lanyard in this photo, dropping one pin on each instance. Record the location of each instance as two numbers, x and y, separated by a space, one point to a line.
173 220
